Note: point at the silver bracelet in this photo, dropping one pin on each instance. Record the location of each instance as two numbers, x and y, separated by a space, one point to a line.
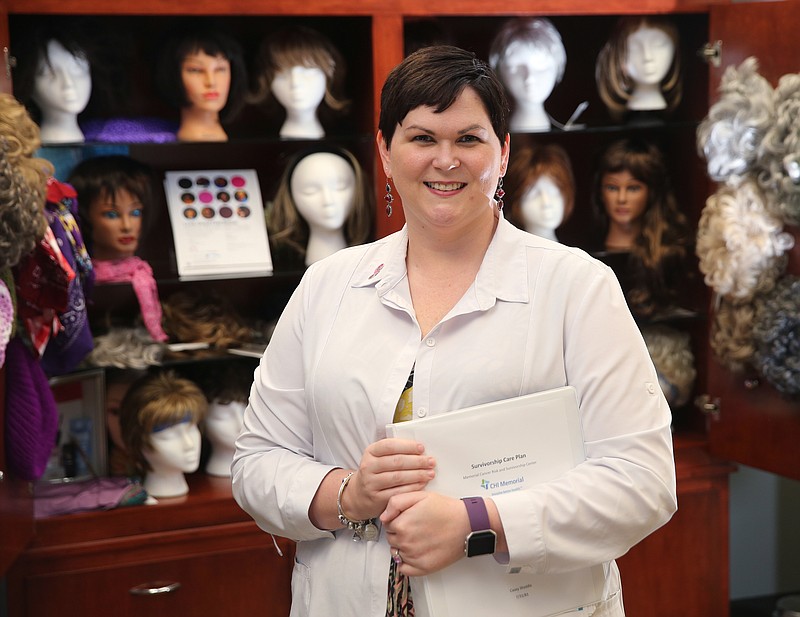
362 530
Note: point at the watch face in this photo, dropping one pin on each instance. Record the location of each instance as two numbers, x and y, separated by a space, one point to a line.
481 543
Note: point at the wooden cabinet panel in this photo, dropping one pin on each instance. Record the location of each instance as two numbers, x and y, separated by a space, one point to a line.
755 425
681 569
236 583
90 562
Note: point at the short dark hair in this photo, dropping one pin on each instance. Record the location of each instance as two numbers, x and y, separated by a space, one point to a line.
434 77
214 43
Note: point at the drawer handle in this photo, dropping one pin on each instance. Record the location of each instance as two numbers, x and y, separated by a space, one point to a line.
155 588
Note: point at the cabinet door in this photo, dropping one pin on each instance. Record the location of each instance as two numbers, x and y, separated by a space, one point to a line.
230 583
754 424
16 505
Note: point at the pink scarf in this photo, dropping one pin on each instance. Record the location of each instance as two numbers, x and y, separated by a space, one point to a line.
138 272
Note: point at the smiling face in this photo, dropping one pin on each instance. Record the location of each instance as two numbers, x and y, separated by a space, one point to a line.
650 54
323 188
445 165
62 82
624 198
116 222
206 80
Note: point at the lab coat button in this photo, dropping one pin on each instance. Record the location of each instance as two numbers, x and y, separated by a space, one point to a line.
422 412
430 342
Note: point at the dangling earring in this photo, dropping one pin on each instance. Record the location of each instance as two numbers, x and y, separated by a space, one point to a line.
389 198
499 193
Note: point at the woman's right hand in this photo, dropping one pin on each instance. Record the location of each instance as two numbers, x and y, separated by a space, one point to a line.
388 467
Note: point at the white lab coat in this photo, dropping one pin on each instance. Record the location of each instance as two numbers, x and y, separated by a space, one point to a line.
539 315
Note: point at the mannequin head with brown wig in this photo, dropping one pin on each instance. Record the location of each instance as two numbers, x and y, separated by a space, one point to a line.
323 203
301 70
541 189
159 417
638 69
114 194
635 205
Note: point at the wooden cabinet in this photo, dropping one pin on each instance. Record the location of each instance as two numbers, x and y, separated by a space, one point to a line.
198 555
754 424
682 568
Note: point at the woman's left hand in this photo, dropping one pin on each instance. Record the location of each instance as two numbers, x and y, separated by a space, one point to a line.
427 529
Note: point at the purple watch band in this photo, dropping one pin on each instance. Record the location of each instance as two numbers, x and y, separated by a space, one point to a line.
477 512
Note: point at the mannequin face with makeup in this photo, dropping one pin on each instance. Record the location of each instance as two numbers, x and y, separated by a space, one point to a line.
206 80
650 55
116 222
323 188
543 208
625 201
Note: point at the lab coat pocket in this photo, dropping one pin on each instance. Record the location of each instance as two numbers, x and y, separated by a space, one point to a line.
301 589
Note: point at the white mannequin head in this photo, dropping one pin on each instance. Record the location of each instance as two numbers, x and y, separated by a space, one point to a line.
530 59
323 188
543 208
302 70
173 451
224 422
541 189
159 417
649 58
300 90
61 89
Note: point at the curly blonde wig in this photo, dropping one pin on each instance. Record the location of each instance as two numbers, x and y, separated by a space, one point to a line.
671 352
731 335
740 244
729 136
23 183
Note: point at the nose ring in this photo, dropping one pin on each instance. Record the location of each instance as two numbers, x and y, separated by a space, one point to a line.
453 166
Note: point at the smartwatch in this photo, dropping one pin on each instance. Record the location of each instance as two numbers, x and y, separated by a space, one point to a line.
482 540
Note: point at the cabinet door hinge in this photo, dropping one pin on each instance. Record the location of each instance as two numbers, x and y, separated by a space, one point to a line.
712 53
708 405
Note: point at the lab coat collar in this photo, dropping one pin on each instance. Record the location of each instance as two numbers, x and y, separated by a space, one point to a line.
503 275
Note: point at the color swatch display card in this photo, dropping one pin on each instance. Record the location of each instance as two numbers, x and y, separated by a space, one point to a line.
218 223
